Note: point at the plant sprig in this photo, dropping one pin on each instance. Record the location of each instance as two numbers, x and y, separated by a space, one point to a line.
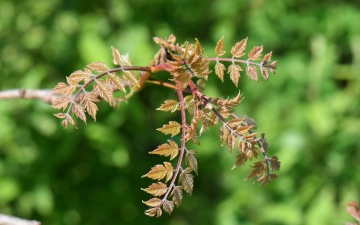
189 71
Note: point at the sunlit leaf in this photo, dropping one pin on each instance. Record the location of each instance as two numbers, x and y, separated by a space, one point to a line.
255 53
169 105
116 56
154 202
129 76
170 149
159 172
219 49
234 71
64 89
156 189
219 70
78 110
151 212
98 66
172 128
60 115
105 92
266 58
252 73
116 80
238 50
61 103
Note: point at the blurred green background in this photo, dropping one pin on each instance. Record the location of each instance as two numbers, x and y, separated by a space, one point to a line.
309 111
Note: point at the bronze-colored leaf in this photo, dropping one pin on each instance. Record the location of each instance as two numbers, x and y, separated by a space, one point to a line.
184 79
70 120
235 101
224 134
265 73
88 99
219 70
172 128
251 153
169 105
234 123
191 160
274 163
156 189
170 170
79 76
151 212
98 67
60 115
129 76
154 202
266 58
231 141
219 49
78 110
242 146
170 149
105 92
159 172
238 50
259 169
198 48
240 160
64 123
115 80
116 56
61 103
187 180
168 206
273 66
250 136
243 129
252 73
255 53
263 180
158 212
177 195
234 71
64 89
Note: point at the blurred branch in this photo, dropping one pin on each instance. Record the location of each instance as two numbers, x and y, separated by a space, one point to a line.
42 94
11 220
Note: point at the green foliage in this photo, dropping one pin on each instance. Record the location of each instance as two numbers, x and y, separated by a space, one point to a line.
308 110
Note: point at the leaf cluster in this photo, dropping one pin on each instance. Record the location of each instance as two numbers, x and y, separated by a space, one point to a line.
189 69
77 95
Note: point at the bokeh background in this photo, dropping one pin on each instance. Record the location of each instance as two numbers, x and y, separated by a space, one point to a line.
309 111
